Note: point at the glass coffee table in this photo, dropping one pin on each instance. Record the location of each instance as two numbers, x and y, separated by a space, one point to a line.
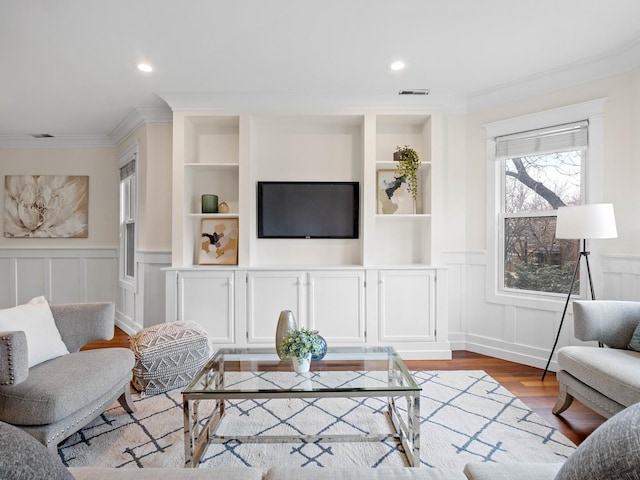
251 373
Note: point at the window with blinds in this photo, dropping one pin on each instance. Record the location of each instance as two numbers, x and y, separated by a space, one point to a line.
542 170
128 212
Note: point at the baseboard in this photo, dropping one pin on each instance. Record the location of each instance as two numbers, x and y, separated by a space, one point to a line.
476 345
126 324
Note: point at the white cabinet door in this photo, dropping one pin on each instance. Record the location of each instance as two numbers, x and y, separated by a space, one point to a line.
336 305
268 293
406 306
207 298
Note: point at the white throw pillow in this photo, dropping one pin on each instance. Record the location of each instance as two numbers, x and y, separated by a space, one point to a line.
36 321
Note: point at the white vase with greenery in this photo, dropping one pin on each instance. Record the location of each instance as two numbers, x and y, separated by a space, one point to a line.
300 344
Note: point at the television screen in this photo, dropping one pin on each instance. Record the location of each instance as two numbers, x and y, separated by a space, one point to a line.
308 209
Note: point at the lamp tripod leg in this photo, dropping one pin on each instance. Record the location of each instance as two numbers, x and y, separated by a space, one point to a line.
564 312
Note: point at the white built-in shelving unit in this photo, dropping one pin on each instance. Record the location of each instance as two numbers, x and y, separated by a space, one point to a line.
385 280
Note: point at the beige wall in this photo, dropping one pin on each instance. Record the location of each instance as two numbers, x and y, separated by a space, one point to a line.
154 185
99 164
621 155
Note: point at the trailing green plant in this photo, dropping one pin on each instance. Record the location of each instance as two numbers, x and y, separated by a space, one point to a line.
408 165
300 343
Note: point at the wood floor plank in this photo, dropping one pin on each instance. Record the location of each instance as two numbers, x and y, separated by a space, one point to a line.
521 380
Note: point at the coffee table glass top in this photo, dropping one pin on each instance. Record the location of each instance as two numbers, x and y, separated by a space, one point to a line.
358 371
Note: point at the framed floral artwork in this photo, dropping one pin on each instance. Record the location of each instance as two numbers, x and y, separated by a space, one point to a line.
46 206
218 241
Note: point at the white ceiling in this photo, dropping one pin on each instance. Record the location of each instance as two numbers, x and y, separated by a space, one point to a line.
67 67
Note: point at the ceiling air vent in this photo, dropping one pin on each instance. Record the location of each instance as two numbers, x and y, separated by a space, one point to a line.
416 91
41 135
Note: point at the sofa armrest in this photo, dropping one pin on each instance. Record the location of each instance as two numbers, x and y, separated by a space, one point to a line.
608 321
508 471
14 359
81 323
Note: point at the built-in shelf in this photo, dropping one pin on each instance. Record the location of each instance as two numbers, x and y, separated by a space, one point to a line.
226 155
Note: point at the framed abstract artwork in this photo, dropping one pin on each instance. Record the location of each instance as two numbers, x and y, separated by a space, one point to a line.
46 206
218 241
393 196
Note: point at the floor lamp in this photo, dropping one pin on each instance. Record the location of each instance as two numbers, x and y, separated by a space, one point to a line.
583 222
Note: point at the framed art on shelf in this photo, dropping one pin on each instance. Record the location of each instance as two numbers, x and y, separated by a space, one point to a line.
393 196
218 241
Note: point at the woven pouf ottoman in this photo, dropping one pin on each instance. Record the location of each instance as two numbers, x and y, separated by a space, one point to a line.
168 356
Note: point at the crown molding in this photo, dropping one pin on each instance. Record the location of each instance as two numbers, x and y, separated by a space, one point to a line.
137 117
300 102
59 141
612 63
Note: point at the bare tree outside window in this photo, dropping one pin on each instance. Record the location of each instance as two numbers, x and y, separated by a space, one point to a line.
534 188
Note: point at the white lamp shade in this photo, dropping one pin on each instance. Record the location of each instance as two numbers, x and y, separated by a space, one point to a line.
586 221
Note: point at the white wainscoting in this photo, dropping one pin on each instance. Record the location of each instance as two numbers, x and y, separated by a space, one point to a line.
522 334
144 305
61 275
86 275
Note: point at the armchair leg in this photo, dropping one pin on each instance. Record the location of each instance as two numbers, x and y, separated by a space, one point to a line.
125 400
563 402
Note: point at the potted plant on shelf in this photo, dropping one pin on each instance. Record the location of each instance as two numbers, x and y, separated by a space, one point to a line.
299 345
408 165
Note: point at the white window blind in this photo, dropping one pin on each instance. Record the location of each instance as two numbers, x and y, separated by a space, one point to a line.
560 138
128 170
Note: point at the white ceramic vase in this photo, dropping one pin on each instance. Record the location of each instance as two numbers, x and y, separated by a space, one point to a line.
301 365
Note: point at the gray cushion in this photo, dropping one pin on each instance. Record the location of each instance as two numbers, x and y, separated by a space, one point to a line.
611 371
22 457
168 356
634 344
362 473
612 451
521 471
222 473
59 387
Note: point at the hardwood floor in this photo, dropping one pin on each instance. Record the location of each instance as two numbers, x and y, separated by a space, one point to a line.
522 381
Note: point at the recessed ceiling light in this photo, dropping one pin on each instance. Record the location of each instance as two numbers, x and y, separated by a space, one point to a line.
397 65
145 67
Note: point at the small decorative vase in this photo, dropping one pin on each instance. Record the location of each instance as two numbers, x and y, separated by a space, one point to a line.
209 203
301 365
323 352
286 322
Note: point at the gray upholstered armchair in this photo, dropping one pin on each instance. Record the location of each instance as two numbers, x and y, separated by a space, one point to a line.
607 380
56 398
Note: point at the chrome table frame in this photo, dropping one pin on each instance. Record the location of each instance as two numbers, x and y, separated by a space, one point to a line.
209 384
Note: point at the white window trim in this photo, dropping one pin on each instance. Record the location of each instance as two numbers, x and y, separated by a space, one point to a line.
592 186
126 282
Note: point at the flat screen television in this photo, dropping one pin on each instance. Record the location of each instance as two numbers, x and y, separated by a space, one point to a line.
308 209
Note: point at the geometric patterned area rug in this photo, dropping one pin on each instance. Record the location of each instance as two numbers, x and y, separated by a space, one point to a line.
466 416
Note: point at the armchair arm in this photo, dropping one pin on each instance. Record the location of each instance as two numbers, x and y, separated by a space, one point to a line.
81 323
607 321
14 360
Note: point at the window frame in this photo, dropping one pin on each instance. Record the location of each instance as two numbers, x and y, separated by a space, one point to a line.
591 188
126 281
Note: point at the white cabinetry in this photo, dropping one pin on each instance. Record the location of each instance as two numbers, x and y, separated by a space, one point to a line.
207 298
321 280
336 305
406 306
268 293
331 302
